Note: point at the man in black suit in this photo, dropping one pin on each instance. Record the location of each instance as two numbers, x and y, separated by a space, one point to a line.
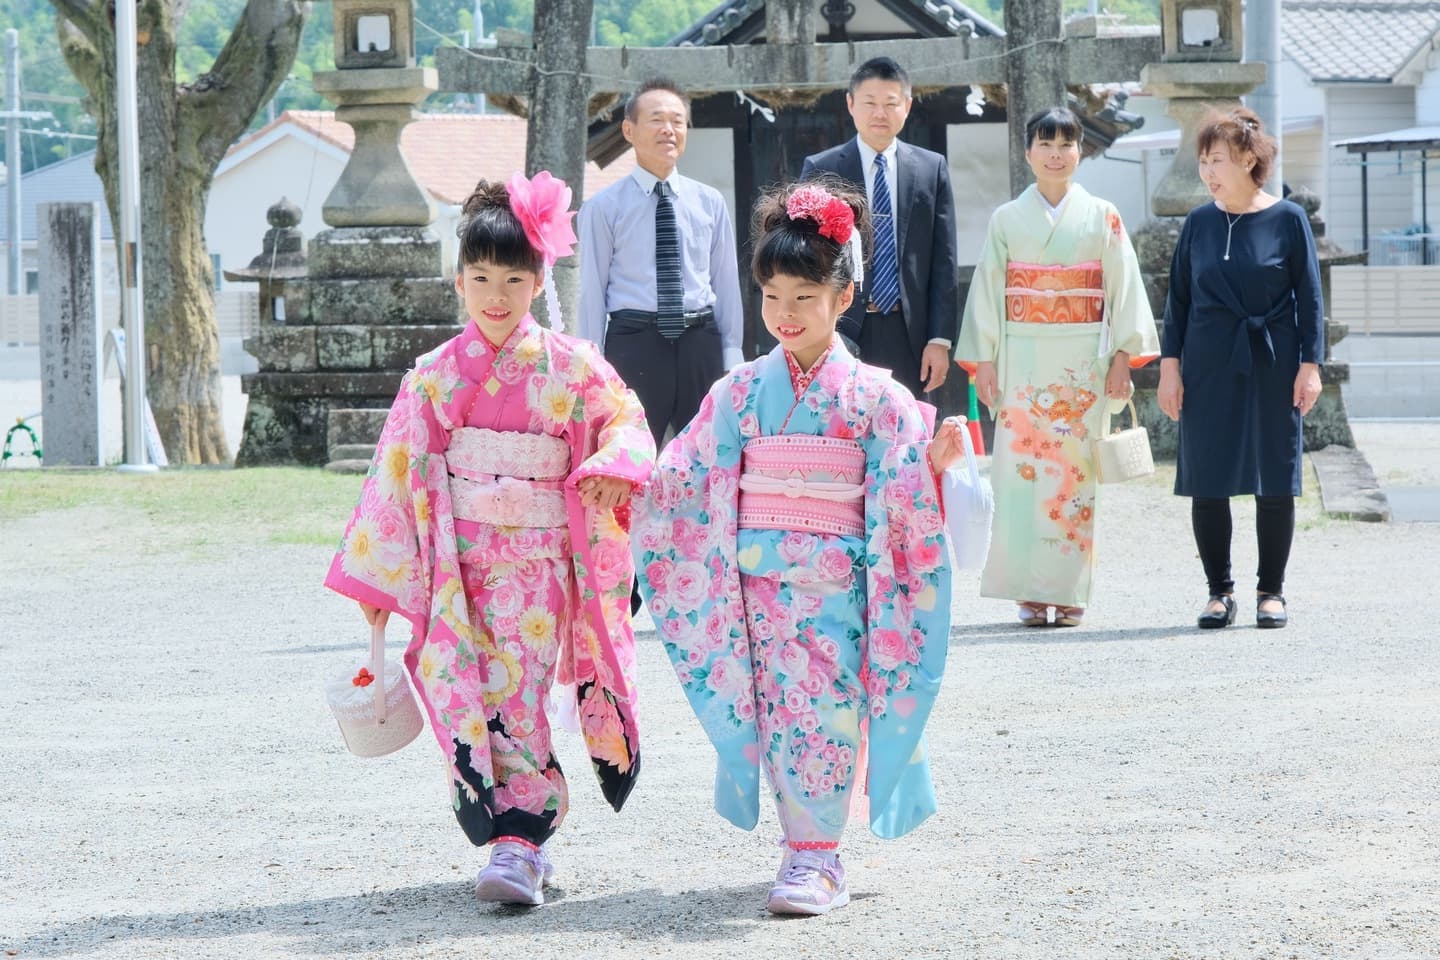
909 315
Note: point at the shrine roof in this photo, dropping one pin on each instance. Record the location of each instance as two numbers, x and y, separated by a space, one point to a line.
1357 41
740 21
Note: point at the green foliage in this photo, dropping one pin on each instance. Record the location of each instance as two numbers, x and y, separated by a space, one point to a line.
207 24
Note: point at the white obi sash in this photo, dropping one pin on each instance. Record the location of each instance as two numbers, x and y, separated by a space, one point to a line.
508 479
803 483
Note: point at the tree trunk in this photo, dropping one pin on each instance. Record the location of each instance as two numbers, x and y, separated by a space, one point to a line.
184 132
559 113
1034 74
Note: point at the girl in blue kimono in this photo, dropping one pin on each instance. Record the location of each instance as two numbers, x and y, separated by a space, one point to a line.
791 547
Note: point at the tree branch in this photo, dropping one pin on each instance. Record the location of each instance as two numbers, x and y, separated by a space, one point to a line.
87 17
82 56
217 107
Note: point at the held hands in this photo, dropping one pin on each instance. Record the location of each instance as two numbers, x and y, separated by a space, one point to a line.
1307 387
987 384
948 445
1172 393
934 365
374 615
1117 382
606 493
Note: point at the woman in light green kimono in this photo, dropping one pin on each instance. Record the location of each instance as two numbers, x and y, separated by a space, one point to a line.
1057 316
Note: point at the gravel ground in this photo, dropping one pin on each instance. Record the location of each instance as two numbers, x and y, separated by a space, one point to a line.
173 786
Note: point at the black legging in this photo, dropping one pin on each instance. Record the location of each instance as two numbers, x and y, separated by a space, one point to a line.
1274 529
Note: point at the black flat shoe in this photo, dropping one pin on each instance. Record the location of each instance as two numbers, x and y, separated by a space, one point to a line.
1270 621
1215 619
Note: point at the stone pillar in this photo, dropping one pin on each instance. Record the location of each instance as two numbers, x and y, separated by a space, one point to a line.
559 119
1034 74
69 256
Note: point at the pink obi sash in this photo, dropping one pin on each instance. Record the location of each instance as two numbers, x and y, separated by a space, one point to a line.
804 483
508 479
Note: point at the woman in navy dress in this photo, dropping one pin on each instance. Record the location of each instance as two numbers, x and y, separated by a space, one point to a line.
1240 359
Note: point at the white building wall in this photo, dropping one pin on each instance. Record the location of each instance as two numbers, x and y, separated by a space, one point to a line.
710 158
235 222
1354 111
1128 179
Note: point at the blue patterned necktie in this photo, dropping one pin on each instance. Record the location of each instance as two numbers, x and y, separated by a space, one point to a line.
669 286
885 284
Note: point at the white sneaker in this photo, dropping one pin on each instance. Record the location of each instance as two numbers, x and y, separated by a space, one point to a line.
810 883
515 874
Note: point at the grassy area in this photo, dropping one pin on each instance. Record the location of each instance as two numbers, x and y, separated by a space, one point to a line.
196 506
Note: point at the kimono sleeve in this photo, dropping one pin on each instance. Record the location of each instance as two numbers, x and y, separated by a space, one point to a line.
908 613
1127 307
983 324
622 444
684 539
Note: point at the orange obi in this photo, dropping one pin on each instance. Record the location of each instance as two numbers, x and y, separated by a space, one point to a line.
1054 294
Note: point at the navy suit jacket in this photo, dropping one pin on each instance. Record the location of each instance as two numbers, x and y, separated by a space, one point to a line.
924 234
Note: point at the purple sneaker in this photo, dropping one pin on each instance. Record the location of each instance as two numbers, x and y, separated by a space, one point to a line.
810 883
515 874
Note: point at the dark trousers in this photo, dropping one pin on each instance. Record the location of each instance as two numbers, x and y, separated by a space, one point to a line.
1274 531
885 342
670 377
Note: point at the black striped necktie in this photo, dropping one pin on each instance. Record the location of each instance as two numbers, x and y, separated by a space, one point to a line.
669 285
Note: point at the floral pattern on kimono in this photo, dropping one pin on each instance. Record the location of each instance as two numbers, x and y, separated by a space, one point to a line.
695 564
1050 303
402 552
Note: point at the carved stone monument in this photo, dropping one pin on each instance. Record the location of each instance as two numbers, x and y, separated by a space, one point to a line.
69 256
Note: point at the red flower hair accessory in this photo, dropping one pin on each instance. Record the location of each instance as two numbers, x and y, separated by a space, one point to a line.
542 205
836 218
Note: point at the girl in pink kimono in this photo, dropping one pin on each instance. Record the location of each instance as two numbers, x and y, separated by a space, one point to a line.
791 546
488 521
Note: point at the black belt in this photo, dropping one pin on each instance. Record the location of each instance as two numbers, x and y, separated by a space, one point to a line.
692 318
872 309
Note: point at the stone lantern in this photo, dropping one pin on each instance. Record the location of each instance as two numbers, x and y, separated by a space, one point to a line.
1202 30
375 296
1199 69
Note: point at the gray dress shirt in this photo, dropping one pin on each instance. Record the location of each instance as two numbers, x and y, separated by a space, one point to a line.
617 256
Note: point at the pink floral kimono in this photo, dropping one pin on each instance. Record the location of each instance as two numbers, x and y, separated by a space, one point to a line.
470 526
792 550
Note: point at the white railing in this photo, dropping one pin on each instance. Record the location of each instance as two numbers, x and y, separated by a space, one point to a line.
236 313
1404 249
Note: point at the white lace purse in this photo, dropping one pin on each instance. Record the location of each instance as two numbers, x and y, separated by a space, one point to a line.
374 705
1124 454
969 508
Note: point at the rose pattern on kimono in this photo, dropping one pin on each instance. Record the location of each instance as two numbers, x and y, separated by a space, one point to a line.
692 557
401 551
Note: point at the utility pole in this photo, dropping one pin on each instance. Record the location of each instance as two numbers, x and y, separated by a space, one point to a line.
1262 45
132 305
13 116
479 34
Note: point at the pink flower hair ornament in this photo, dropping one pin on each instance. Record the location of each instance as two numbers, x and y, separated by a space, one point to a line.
835 217
542 205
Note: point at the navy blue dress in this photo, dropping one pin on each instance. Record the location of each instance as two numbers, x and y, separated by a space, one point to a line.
1241 328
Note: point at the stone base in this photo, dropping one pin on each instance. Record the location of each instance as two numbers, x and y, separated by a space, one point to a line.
399 300
361 253
1348 488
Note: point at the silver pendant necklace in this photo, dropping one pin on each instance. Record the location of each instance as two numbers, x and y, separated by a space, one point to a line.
1229 226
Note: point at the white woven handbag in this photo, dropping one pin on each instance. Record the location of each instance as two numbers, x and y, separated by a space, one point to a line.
969 508
371 723
1124 454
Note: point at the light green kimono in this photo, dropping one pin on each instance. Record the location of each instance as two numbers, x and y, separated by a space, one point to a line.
1049 304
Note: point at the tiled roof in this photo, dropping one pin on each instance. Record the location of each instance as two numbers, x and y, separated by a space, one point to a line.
72 180
448 152
739 21
1357 40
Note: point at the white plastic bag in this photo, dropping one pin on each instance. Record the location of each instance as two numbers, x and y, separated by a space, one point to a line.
969 508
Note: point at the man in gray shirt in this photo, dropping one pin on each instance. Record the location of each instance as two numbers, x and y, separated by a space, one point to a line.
659 285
